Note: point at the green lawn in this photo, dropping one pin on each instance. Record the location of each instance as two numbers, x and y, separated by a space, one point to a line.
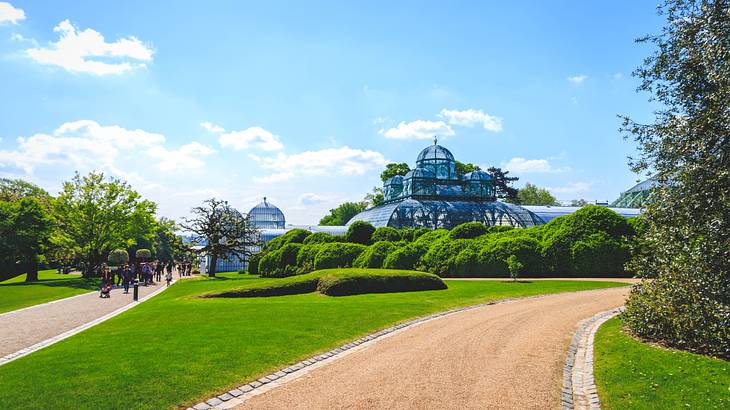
16 294
178 348
635 375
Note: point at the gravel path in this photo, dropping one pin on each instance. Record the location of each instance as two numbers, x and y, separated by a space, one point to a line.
29 326
505 356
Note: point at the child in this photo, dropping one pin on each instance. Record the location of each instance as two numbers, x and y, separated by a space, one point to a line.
168 278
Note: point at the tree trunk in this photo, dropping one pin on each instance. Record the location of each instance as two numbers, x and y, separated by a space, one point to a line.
32 270
213 262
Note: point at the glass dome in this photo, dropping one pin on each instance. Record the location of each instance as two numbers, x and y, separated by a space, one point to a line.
393 187
267 216
439 160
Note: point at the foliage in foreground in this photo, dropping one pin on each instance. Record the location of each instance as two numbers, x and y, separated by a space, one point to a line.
343 282
635 375
687 244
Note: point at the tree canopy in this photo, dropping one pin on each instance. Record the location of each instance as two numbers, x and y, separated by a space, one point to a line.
532 195
503 184
687 147
394 169
342 214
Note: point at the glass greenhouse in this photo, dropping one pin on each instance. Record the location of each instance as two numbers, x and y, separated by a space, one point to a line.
636 196
267 216
433 196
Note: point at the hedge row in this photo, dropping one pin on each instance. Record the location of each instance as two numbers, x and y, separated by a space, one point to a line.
593 241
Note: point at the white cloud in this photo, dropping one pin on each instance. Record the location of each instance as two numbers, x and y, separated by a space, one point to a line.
212 127
86 145
10 13
577 79
472 117
310 198
256 137
522 165
418 130
185 157
87 52
572 188
342 161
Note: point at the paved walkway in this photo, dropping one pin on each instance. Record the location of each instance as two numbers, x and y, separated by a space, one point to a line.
506 356
27 327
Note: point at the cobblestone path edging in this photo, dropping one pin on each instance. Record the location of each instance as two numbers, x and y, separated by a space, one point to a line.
579 387
65 335
237 396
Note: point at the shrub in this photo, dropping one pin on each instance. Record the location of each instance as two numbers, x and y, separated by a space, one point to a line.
319 237
499 228
337 255
143 254
431 236
599 255
118 257
253 263
468 230
525 248
374 255
593 218
360 232
386 233
292 236
281 262
515 266
277 289
441 255
306 257
466 263
378 282
404 258
489 262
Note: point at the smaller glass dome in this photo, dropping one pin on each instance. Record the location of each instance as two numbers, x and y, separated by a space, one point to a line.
434 152
477 176
423 173
267 216
394 180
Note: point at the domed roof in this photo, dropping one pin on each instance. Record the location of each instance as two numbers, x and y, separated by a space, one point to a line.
268 216
419 172
477 176
394 180
435 152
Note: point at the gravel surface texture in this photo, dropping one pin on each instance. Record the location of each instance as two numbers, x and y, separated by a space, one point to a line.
506 356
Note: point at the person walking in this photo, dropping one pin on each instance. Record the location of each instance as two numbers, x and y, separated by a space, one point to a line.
170 265
159 267
127 276
120 275
168 278
146 273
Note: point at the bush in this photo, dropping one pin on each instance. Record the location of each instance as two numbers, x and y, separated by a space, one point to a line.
360 232
118 257
441 256
593 218
278 289
525 248
292 236
378 282
281 262
143 254
599 255
337 255
374 255
386 234
427 238
404 258
253 263
319 237
307 255
468 230
499 228
466 263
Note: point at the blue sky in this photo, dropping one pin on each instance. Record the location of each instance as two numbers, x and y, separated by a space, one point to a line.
304 103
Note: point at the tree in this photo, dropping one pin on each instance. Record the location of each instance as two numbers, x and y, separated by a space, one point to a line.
98 214
579 202
393 169
118 257
25 231
464 168
687 147
376 197
168 245
532 195
222 231
515 266
343 213
13 190
503 184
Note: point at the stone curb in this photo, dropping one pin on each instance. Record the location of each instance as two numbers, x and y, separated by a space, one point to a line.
579 387
65 335
242 393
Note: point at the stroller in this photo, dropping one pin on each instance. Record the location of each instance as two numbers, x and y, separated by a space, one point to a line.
106 289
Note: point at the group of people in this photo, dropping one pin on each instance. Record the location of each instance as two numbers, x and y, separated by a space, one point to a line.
146 273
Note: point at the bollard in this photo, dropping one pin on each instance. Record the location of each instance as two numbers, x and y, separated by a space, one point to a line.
135 296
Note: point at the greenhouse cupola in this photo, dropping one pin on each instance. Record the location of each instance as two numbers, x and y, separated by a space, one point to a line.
267 216
439 160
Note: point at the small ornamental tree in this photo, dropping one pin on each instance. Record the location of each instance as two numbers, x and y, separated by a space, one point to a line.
515 266
118 257
142 255
360 232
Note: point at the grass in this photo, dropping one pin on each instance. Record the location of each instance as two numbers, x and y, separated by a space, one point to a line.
340 282
634 375
16 294
178 348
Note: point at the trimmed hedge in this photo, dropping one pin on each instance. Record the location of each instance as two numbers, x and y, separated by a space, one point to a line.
360 232
337 255
319 237
404 258
292 236
386 234
374 255
468 230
